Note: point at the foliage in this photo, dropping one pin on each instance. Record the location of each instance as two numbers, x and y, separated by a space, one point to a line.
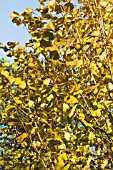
56 98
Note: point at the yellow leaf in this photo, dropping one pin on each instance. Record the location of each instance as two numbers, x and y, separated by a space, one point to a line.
50 97
51 3
21 48
28 10
1 101
95 33
1 45
72 100
51 26
36 144
22 137
105 163
91 136
22 85
85 47
53 48
72 111
15 65
33 130
11 123
36 45
43 105
39 99
47 81
78 46
62 146
17 81
89 160
7 108
110 127
18 155
67 136
28 161
103 3
65 107
110 86
31 103
60 32
5 73
11 79
24 144
14 14
86 123
63 156
82 116
112 148
98 152
86 167
31 65
6 64
98 50
96 112
17 101
1 162
79 63
104 89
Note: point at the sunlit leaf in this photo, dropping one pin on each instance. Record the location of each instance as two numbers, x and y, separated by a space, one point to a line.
30 103
28 10
72 100
22 84
50 97
14 14
51 26
104 164
47 81
17 100
17 80
67 136
65 107
72 111
91 136
22 137
5 73
95 33
11 79
110 86
6 64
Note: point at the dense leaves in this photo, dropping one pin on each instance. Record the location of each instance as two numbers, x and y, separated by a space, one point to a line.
56 98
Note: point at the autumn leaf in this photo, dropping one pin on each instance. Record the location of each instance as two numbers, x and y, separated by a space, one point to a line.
17 80
30 103
65 107
22 84
50 97
14 15
72 100
56 96
110 86
28 10
5 73
95 33
67 136
47 81
22 137
91 136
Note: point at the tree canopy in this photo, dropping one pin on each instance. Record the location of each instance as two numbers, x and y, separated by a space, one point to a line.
56 98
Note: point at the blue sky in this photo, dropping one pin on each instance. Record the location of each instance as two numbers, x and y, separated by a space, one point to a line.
8 30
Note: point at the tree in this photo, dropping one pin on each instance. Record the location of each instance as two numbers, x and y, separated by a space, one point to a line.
57 96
